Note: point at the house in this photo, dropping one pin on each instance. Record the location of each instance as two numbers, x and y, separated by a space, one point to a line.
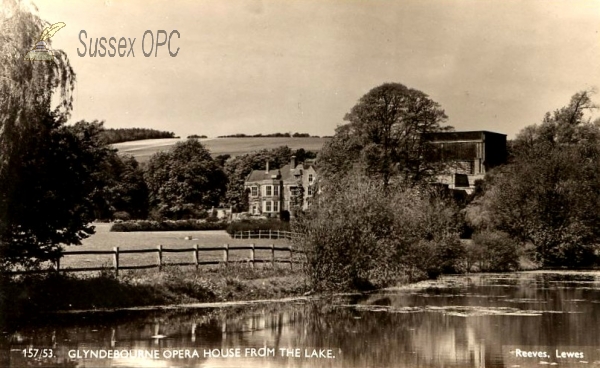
274 192
467 156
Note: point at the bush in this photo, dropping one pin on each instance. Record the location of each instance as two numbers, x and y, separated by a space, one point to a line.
494 251
122 215
258 224
169 225
431 258
357 237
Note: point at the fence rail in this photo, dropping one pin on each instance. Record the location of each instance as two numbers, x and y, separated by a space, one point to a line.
264 234
195 251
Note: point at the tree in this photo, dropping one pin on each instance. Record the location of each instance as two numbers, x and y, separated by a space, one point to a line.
121 188
45 167
131 191
384 136
184 182
550 192
51 203
133 134
303 155
222 159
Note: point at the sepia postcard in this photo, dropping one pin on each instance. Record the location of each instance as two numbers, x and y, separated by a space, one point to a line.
299 183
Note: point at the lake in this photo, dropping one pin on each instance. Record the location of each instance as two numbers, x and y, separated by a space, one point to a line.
527 319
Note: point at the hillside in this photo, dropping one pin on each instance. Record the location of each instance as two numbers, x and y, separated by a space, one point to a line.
142 150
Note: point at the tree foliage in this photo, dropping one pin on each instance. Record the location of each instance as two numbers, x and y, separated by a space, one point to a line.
121 188
51 201
550 193
45 166
133 134
185 181
384 136
357 237
493 251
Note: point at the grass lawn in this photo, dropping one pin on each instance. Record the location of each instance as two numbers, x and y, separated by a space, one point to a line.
142 150
106 240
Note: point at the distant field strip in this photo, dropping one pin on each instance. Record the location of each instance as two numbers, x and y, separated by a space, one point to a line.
142 150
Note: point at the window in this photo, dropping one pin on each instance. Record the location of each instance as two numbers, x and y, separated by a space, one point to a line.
310 191
268 206
310 178
254 191
268 190
276 190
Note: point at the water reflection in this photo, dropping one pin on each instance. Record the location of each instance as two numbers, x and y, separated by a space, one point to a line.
466 321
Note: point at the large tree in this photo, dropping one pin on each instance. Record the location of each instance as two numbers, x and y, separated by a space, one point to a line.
385 135
184 182
549 194
121 190
45 167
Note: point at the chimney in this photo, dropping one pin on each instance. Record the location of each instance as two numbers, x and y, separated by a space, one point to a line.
293 163
267 170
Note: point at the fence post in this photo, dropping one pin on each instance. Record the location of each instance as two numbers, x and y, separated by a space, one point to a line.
226 254
273 256
159 258
196 260
291 259
57 264
259 233
252 254
269 233
116 260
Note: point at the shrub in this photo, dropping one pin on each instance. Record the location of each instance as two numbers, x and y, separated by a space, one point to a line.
122 215
494 251
431 258
212 219
169 225
358 237
257 224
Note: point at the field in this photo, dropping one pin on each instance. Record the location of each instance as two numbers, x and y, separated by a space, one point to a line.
106 240
142 150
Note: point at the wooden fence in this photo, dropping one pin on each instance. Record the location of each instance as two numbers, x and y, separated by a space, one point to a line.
264 234
195 255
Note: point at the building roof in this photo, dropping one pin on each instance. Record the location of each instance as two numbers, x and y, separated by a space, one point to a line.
287 174
260 175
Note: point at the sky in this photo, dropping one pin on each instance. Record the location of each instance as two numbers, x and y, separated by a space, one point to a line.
265 66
